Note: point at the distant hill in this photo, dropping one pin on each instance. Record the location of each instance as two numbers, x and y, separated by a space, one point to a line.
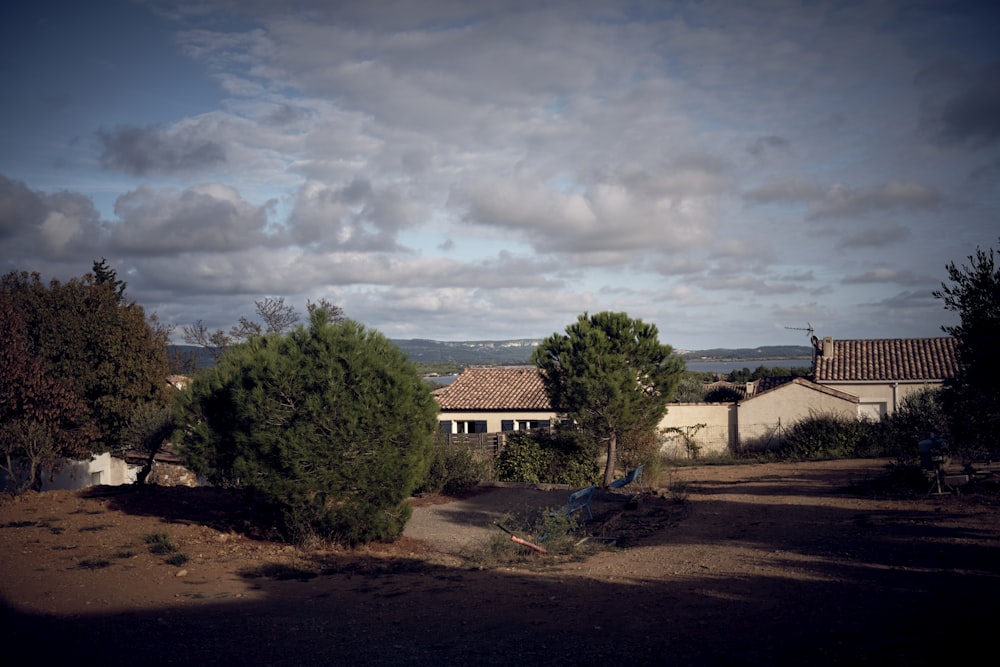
749 354
517 352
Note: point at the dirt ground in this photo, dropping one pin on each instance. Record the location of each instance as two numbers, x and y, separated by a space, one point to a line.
804 564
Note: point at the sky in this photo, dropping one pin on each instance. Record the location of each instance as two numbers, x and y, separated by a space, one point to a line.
734 173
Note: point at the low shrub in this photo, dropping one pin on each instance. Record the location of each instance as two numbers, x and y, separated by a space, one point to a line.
559 535
560 457
822 437
453 469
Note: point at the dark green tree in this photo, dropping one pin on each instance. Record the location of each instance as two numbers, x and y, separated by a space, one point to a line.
610 375
329 425
91 340
972 399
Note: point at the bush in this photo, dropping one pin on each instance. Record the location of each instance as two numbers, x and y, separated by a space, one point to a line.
917 416
562 457
453 469
329 429
823 437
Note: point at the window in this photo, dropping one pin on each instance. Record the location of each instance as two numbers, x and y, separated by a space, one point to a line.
470 426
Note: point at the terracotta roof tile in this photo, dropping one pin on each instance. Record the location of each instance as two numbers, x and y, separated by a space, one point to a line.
887 359
501 388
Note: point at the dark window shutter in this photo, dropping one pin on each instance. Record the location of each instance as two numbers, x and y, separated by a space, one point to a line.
445 426
544 423
506 424
480 426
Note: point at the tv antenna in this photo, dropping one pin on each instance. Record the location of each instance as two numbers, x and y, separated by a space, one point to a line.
812 339
808 329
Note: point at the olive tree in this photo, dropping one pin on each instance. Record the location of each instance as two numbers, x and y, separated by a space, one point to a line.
328 424
611 376
972 399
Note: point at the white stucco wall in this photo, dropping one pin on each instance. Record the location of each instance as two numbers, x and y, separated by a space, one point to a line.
494 420
763 417
711 427
881 398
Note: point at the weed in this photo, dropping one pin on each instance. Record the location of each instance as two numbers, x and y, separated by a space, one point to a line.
91 529
159 543
679 491
123 554
177 559
19 524
558 535
94 563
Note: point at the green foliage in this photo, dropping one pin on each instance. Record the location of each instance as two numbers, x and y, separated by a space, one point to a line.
691 387
86 338
687 437
638 447
328 426
159 543
746 375
723 394
972 400
829 436
560 457
558 535
453 469
917 416
610 375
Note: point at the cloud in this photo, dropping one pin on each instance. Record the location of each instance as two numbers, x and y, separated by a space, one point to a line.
790 190
844 201
964 108
355 216
766 145
881 275
877 237
155 150
616 213
38 225
205 218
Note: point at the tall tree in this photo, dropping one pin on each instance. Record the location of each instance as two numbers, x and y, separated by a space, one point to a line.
90 339
42 421
973 398
611 376
329 424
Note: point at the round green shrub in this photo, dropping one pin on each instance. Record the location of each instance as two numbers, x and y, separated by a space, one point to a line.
329 427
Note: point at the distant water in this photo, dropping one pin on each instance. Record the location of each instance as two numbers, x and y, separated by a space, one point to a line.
740 364
702 367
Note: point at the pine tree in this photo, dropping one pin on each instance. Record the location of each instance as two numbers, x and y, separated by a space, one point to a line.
330 425
611 376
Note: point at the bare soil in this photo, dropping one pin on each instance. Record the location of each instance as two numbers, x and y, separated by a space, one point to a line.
804 564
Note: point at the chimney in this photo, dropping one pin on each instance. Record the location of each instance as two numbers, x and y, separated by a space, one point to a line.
827 346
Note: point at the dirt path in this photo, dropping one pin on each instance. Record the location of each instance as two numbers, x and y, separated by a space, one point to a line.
766 564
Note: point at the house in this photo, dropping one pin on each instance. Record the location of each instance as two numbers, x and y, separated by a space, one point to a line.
851 378
492 400
881 372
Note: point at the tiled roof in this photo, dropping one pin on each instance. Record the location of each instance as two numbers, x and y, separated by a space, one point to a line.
770 384
501 388
887 359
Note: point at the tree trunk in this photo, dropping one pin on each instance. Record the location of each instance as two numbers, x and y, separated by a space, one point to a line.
609 467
